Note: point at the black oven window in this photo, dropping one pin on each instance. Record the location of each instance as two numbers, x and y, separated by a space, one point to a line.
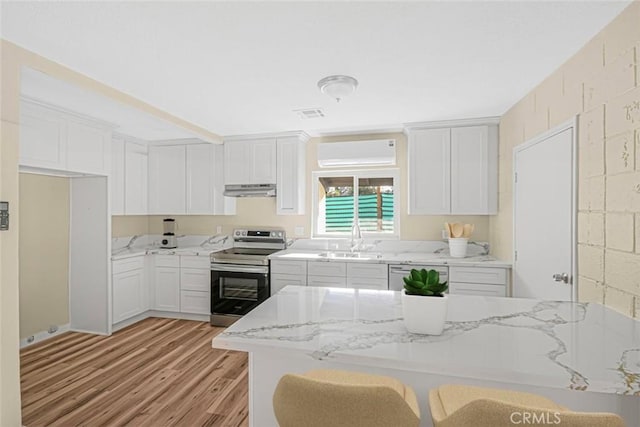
238 288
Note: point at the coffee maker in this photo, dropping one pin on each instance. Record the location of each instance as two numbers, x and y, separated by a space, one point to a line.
169 240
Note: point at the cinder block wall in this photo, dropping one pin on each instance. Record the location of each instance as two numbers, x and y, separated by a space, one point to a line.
600 84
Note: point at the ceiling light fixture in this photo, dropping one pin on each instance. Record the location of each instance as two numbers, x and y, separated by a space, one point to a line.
338 87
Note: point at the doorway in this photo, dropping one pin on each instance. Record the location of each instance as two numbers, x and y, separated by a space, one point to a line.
545 215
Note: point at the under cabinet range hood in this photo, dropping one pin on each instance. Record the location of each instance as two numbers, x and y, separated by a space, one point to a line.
250 190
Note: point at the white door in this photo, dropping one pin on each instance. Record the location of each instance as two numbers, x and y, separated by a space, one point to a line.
544 216
263 157
88 148
116 176
128 292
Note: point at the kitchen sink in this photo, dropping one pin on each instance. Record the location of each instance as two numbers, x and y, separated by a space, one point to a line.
350 255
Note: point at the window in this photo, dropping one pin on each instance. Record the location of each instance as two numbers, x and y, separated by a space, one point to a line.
369 197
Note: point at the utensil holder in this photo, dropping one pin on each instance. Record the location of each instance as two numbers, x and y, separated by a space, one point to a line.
458 247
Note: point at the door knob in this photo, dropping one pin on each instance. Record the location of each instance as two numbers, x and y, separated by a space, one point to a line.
561 277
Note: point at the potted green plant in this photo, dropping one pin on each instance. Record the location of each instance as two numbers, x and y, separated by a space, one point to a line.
424 302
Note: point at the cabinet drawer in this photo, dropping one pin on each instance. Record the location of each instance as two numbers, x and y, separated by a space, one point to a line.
367 283
289 267
315 268
279 281
192 279
476 289
497 276
127 264
195 302
167 261
376 271
189 261
333 282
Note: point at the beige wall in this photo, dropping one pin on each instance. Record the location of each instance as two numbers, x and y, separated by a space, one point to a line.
600 84
44 253
262 211
130 225
13 58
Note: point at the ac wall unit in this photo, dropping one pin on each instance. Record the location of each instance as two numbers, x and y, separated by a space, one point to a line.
378 152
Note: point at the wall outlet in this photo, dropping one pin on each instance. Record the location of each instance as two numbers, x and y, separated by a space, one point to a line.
444 234
299 231
218 229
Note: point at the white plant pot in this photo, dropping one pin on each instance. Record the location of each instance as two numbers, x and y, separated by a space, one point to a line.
424 315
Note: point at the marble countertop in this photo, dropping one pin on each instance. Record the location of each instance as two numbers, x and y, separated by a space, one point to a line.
416 258
140 251
540 343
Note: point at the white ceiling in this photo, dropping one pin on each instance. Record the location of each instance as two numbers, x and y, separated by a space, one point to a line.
241 67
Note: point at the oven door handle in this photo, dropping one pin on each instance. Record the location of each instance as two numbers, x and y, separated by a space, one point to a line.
240 269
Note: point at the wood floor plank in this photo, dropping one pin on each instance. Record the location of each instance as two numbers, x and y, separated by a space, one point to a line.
157 372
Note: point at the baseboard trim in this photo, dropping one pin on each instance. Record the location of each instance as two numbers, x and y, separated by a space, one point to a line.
43 335
156 313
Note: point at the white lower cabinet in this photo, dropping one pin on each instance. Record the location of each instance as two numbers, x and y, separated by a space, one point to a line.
129 289
166 289
195 285
483 281
329 274
195 302
285 273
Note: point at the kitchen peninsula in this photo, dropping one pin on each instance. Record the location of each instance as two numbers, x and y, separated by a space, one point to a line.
584 356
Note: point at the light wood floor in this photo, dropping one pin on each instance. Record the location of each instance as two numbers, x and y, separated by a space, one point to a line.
158 372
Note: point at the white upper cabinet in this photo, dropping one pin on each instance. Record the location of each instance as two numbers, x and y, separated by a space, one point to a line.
429 171
117 176
291 175
204 176
250 161
43 136
136 179
474 170
167 179
53 139
453 170
88 148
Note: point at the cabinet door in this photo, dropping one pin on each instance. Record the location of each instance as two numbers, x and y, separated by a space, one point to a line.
88 148
237 163
42 138
291 167
192 279
200 178
167 289
135 179
477 289
221 205
195 302
279 281
128 295
429 171
116 177
167 179
263 160
473 171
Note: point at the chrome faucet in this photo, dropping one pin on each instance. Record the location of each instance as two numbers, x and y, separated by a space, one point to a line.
356 237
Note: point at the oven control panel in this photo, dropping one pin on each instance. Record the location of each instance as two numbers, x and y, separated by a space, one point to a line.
259 234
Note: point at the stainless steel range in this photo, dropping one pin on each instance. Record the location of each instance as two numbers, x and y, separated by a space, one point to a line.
240 275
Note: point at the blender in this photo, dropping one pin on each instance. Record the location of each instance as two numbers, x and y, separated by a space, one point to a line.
169 240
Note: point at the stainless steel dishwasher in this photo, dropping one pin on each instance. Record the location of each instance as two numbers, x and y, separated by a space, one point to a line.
398 271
